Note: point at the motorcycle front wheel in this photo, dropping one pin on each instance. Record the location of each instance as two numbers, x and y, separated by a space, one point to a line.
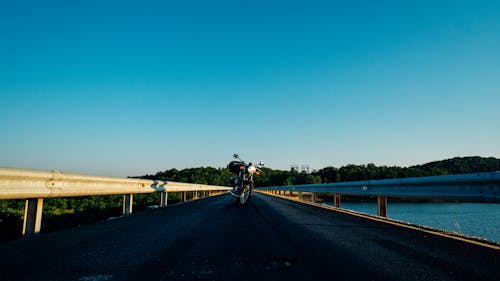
246 195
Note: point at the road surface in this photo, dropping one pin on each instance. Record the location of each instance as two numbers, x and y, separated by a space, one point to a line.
271 239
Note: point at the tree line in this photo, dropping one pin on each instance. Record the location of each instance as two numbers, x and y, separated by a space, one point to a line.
274 177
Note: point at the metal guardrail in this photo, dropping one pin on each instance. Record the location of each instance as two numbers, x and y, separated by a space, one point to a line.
34 185
23 184
476 186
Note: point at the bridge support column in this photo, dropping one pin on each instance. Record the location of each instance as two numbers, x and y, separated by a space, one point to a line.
300 195
164 199
127 204
382 206
184 196
336 200
291 193
32 217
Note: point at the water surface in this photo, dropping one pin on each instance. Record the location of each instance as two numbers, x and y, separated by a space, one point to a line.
476 219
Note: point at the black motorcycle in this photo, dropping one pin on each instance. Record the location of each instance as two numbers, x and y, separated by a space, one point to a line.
243 183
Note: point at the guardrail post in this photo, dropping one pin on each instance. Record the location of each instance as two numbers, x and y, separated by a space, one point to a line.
32 217
314 197
336 200
164 199
127 204
382 206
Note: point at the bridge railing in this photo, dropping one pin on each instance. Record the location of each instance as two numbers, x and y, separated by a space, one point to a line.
34 186
476 187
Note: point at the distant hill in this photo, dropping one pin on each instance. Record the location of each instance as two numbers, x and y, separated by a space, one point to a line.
463 165
457 165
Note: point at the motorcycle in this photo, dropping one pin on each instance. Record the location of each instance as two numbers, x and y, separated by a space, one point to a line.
243 183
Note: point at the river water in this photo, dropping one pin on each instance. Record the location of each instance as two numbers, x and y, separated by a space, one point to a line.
475 219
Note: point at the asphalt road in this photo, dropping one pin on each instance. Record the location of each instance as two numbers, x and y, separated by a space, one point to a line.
271 239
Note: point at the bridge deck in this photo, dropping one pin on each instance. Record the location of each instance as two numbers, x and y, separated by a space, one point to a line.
271 239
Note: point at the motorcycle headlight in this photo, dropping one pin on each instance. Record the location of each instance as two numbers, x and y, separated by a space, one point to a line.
252 170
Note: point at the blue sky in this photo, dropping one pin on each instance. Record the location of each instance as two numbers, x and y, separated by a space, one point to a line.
125 88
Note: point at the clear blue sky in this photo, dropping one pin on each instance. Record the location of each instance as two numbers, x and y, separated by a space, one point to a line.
125 88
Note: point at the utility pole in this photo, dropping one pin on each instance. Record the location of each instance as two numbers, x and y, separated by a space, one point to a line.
305 168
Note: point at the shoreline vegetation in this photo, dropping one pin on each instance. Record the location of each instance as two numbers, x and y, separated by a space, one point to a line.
63 213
